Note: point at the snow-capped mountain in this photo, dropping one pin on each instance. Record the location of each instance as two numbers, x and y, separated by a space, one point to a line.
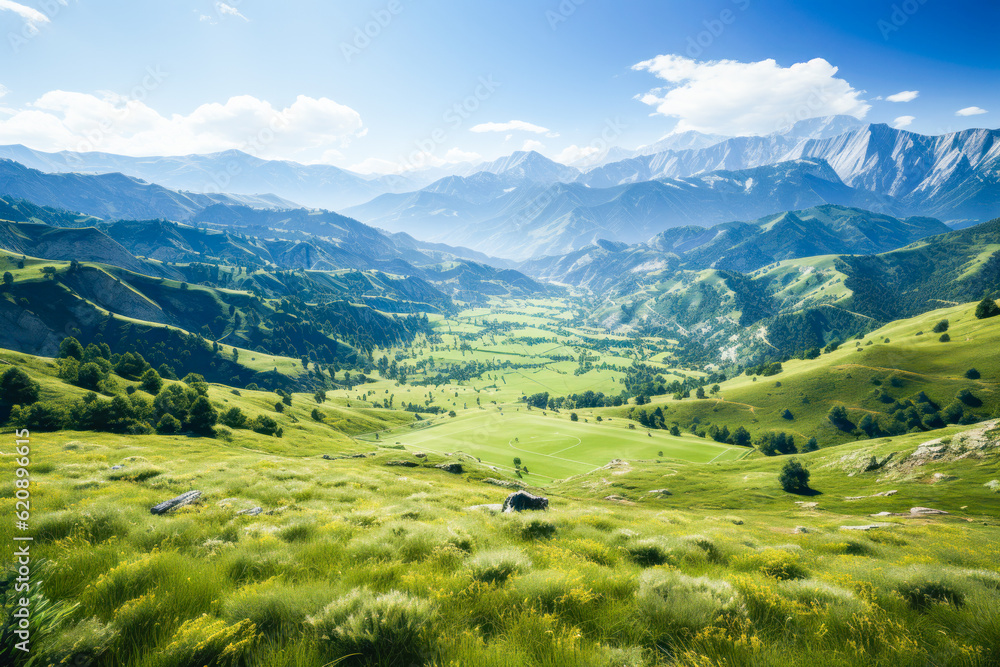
487 213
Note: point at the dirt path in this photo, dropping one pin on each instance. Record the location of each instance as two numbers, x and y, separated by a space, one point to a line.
746 405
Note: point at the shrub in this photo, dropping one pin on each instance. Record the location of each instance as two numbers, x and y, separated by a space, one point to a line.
672 600
264 425
774 563
987 308
317 415
233 418
945 338
90 375
794 477
972 374
202 416
210 641
647 552
39 417
941 326
499 565
17 387
151 382
387 629
168 424
922 593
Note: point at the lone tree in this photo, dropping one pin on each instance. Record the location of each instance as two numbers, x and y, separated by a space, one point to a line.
987 308
794 477
8 278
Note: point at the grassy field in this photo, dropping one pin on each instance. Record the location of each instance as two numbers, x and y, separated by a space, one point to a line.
356 562
553 447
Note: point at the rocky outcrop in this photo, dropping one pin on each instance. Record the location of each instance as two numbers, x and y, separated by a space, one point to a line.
520 501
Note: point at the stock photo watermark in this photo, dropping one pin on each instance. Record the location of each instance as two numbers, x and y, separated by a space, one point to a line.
46 11
22 542
365 34
714 28
92 139
900 16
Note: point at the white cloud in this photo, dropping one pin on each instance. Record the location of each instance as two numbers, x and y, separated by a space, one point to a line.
904 96
575 154
3 90
29 14
511 126
735 98
903 121
532 145
228 10
970 111
62 120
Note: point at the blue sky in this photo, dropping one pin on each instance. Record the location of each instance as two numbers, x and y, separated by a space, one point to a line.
293 79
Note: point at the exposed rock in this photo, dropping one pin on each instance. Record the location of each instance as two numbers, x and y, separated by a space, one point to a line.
870 526
806 505
451 467
421 455
662 492
800 530
885 494
117 467
921 511
914 512
253 511
941 477
492 508
993 485
619 499
505 483
520 501
174 503
403 464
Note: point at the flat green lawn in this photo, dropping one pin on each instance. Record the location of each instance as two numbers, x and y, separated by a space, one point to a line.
554 447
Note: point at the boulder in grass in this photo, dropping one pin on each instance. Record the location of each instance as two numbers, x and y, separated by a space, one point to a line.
451 467
253 511
402 464
520 501
174 503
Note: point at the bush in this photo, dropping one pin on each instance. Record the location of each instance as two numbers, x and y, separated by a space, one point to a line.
264 425
17 387
385 629
209 641
794 477
90 376
202 416
39 417
972 374
151 382
923 593
233 418
945 338
987 308
497 566
317 415
941 326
